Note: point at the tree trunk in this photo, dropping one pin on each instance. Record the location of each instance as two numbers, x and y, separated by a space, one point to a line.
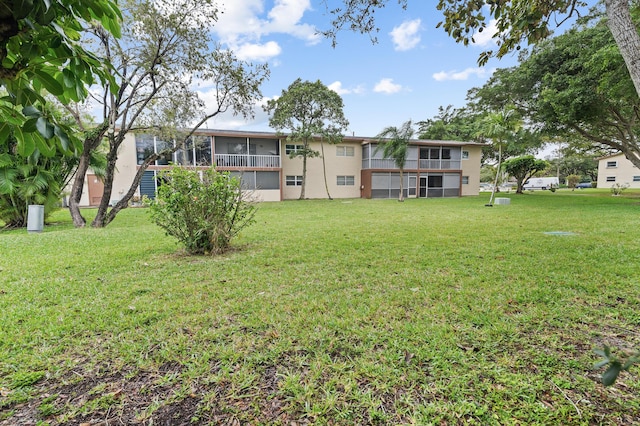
495 183
76 190
100 221
324 170
304 170
626 36
401 196
90 143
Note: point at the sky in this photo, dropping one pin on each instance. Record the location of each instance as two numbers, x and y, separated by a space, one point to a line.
411 71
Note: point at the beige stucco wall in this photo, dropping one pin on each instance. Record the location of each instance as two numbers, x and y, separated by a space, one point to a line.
126 167
471 168
266 195
335 166
126 170
623 172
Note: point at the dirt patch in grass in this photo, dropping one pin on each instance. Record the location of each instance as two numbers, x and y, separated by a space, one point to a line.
154 397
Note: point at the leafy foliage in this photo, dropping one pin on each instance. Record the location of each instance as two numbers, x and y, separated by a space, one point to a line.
394 143
615 365
575 87
39 54
450 124
203 214
515 21
35 179
522 168
572 181
165 48
308 109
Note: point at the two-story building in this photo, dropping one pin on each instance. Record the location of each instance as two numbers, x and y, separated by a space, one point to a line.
617 168
353 168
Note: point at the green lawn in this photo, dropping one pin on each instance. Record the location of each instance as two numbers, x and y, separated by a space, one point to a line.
438 311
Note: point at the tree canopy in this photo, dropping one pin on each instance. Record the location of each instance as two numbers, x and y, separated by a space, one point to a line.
574 87
522 168
40 54
516 21
163 51
307 110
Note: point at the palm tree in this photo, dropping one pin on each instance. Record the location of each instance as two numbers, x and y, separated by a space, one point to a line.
499 127
394 143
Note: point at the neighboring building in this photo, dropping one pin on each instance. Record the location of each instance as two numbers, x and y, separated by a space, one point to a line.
353 168
616 168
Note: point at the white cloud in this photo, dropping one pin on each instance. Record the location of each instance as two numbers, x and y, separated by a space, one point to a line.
258 52
462 75
336 86
386 85
242 24
405 36
285 17
484 38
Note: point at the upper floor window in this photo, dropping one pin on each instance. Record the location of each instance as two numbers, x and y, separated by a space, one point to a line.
465 155
345 151
612 164
292 149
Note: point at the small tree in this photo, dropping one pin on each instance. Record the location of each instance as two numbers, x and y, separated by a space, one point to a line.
308 110
572 181
203 214
499 127
394 143
522 168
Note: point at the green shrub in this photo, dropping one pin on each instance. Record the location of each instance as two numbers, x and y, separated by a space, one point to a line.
573 180
204 213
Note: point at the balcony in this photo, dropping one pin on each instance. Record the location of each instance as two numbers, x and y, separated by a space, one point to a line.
245 160
440 164
387 164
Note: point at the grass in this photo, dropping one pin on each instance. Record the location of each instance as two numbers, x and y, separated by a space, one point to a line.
437 311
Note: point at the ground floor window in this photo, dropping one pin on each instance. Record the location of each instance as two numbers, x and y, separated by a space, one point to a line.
255 180
636 178
465 180
293 180
251 180
611 178
346 180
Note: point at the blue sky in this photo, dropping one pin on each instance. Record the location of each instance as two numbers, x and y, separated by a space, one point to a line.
412 70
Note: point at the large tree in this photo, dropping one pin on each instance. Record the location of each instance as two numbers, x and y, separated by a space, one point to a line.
454 124
40 54
308 110
516 21
574 87
522 168
164 50
394 142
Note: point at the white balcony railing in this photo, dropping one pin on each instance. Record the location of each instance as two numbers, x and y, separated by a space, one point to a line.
376 163
243 160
